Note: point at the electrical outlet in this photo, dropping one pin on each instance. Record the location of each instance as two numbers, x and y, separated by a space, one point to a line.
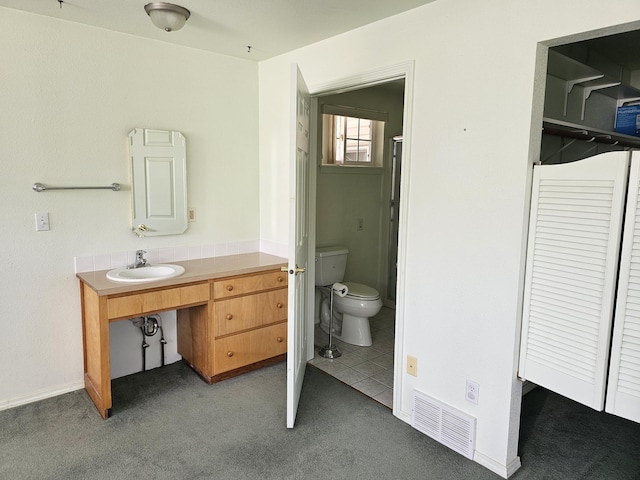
42 222
360 224
412 365
473 392
192 214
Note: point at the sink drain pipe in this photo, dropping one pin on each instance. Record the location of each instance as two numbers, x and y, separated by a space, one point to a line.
149 326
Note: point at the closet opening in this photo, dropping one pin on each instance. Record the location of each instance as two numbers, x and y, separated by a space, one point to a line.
580 336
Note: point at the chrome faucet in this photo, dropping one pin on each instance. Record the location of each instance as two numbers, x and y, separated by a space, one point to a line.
140 260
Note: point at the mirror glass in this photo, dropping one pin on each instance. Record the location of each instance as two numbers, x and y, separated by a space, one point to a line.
158 181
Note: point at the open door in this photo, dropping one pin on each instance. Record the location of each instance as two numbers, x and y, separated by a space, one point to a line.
572 265
298 242
623 391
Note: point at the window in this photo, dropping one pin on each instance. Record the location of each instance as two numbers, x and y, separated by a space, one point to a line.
352 140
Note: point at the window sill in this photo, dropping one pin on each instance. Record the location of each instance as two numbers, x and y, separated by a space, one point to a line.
352 169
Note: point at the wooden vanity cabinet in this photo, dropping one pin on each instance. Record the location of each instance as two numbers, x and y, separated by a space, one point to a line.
228 321
243 328
100 310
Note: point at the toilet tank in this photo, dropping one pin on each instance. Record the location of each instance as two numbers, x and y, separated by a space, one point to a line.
330 264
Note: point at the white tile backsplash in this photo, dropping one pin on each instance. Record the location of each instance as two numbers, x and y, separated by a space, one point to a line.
195 252
180 254
208 251
107 261
119 258
248 246
102 262
220 250
84 264
166 255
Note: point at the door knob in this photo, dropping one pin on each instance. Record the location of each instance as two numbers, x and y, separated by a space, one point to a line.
293 271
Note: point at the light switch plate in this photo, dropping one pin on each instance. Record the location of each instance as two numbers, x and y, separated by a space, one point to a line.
42 222
412 365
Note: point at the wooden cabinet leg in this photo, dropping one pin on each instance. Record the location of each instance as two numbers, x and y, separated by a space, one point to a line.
95 336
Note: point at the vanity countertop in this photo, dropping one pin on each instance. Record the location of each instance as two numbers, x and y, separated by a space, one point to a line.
195 271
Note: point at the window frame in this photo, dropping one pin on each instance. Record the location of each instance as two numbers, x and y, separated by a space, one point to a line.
330 136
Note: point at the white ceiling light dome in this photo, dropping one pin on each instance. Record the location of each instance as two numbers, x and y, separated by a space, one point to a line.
167 16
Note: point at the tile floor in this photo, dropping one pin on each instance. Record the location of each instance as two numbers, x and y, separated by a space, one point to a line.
368 369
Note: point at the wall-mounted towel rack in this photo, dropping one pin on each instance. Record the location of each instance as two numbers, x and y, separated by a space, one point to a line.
38 187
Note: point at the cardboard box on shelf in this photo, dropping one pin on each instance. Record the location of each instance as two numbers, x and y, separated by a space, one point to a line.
628 120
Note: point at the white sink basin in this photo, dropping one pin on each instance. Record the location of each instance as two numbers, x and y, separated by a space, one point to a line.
152 273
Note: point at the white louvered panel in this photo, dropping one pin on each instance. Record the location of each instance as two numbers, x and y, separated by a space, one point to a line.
590 202
623 392
570 275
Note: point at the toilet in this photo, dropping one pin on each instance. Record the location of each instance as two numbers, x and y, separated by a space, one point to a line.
350 313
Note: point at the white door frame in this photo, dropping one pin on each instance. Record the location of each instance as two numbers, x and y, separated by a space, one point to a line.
356 82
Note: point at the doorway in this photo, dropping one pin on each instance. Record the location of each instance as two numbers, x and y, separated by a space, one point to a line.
357 206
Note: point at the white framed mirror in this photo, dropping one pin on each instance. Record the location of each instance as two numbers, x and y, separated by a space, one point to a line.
158 181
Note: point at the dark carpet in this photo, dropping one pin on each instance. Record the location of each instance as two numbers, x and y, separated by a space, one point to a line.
168 424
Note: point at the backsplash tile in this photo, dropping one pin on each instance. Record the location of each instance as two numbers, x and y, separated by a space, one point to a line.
108 261
83 264
165 255
102 262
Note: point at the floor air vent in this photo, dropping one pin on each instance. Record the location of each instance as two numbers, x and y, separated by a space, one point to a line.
449 426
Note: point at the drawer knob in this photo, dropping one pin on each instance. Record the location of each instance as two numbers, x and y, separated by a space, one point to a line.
229 354
229 316
229 288
279 305
280 339
280 279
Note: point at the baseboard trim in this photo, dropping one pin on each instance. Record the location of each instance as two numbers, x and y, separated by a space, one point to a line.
404 416
41 395
505 471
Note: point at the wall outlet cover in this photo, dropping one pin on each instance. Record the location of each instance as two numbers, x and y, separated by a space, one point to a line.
473 392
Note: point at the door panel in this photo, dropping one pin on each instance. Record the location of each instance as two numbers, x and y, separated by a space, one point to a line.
623 391
159 181
571 271
298 243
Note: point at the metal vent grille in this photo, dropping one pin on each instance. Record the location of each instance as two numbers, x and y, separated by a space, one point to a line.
445 424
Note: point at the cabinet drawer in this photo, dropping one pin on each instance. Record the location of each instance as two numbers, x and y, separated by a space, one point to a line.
231 287
249 311
246 348
151 302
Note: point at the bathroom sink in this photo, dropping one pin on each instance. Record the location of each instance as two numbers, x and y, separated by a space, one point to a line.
151 273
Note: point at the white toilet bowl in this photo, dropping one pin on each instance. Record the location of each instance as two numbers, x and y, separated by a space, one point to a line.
351 313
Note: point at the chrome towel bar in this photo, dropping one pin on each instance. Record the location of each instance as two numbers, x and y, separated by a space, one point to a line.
38 187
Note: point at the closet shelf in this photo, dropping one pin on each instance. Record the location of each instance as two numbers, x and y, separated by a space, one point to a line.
573 73
560 128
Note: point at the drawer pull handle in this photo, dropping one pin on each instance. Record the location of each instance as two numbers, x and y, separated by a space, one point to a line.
229 316
229 288
229 354
279 305
280 279
280 339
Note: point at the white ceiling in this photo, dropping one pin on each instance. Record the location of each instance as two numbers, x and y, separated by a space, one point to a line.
270 27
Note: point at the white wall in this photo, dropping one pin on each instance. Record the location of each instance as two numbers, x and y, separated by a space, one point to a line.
70 95
468 183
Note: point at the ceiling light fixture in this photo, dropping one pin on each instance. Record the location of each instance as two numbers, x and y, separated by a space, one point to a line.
167 16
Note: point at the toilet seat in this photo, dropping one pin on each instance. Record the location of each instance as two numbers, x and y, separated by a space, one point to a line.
360 291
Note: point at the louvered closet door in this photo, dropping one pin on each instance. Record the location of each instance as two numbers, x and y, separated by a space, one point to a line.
623 390
572 259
